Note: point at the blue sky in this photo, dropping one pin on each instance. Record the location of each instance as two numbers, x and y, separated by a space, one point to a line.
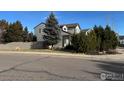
86 19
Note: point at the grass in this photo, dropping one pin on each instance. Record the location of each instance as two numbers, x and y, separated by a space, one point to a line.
56 51
38 50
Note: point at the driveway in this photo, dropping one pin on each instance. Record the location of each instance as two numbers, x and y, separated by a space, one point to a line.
19 66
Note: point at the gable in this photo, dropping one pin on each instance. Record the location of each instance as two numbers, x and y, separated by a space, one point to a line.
71 28
39 29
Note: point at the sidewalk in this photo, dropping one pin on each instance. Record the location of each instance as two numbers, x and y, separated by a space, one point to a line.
62 54
46 53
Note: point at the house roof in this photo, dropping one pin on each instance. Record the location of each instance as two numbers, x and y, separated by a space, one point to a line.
38 25
73 25
121 37
85 30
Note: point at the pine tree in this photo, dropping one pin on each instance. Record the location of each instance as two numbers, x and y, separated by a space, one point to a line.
83 43
110 38
114 40
18 31
52 30
3 28
79 42
99 31
91 40
75 42
30 37
9 36
14 32
25 34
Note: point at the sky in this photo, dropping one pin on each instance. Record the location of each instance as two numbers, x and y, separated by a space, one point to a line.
86 19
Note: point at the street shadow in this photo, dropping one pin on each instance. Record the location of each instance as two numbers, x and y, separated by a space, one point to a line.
109 67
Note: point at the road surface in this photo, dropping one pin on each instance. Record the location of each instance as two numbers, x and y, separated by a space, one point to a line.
39 67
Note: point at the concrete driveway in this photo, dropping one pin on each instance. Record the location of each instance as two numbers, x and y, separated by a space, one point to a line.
19 66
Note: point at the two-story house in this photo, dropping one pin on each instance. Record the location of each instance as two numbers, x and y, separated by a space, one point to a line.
121 40
67 30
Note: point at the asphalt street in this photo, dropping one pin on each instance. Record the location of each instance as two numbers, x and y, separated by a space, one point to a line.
39 67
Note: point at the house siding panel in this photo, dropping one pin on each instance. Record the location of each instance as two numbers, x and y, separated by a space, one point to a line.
39 35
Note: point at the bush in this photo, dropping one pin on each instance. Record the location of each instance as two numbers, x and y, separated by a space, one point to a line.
69 47
111 52
97 40
121 45
93 53
79 42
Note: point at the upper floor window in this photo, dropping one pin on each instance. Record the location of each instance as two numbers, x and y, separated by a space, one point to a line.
64 28
40 30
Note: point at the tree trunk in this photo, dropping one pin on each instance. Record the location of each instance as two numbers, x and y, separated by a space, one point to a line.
52 47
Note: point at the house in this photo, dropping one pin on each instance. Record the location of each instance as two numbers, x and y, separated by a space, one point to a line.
67 30
87 30
121 40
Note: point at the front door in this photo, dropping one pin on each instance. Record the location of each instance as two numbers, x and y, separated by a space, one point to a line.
65 41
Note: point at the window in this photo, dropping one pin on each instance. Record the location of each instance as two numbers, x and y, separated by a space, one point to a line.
40 30
64 28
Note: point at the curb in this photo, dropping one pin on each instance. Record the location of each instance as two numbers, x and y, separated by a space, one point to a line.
62 54
46 53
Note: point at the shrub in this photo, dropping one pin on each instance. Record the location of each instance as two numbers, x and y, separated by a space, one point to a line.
79 42
97 40
69 47
111 52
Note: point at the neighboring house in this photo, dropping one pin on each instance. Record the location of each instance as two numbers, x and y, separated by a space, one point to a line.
67 30
87 30
117 36
121 40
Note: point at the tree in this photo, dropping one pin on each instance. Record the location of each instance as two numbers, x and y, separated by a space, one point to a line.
110 38
3 28
100 39
51 30
99 31
114 40
92 41
9 37
79 42
34 38
14 32
3 24
75 41
83 43
30 37
106 38
18 31
25 34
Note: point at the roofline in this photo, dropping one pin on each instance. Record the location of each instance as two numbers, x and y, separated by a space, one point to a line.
68 24
59 25
85 29
71 23
38 25
79 26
